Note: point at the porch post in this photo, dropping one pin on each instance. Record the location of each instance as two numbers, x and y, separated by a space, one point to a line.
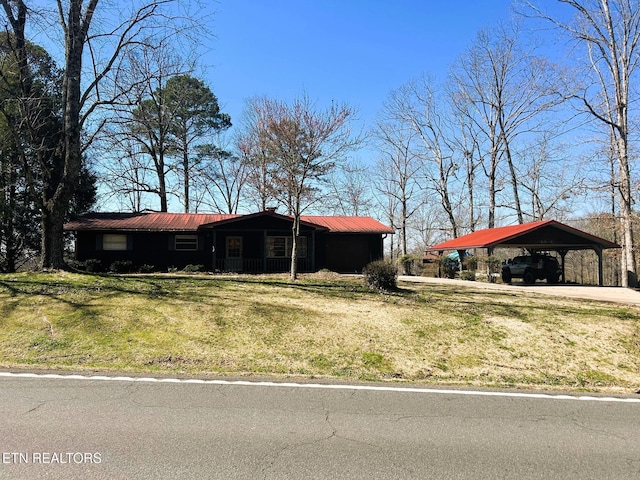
214 259
313 251
264 251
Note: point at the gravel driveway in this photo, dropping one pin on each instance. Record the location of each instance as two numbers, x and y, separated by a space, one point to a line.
604 294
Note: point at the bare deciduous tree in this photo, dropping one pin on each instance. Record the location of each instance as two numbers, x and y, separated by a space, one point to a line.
396 178
349 190
425 113
505 90
85 89
610 31
148 124
252 150
549 179
220 179
303 144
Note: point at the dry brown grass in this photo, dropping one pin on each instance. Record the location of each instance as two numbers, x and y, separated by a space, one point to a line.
323 326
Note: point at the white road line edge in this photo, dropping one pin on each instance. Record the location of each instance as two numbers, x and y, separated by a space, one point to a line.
373 388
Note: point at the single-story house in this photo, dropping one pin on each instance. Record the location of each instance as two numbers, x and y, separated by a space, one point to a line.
253 243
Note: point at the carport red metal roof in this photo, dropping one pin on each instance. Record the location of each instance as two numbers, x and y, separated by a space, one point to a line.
543 235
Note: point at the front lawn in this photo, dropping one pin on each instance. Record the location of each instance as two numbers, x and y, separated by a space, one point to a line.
322 326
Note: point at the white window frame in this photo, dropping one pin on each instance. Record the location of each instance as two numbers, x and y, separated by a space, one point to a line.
114 242
186 243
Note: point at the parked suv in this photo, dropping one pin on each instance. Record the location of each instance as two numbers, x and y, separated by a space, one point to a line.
531 268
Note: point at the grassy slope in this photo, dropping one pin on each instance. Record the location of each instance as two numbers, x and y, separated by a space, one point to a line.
321 326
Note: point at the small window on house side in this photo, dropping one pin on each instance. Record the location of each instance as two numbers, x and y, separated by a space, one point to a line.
186 242
112 241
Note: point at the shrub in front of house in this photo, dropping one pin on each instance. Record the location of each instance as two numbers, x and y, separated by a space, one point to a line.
75 265
92 265
448 267
471 263
121 266
411 264
381 275
146 268
469 275
494 265
193 268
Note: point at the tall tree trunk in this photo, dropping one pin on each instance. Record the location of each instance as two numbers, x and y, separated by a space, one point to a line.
404 227
295 232
158 160
8 223
492 189
629 276
610 31
52 254
446 202
185 166
11 250
470 185
614 221
53 213
512 171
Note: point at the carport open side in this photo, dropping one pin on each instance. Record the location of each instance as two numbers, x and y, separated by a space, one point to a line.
546 235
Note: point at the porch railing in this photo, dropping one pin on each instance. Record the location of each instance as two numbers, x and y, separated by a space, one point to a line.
257 265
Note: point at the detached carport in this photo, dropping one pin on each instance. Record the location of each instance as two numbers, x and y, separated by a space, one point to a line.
547 235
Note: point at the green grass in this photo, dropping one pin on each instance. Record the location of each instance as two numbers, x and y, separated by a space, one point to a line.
321 326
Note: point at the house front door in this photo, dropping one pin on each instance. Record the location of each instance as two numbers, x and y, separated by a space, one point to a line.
233 262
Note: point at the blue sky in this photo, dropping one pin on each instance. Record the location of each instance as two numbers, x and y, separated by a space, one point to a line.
355 51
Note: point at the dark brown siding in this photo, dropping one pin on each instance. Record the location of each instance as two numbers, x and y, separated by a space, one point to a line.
350 253
146 248
340 252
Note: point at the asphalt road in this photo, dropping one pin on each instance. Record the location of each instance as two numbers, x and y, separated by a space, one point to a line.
105 429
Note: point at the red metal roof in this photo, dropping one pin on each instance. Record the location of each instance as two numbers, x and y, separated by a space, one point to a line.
492 237
182 222
348 224
145 221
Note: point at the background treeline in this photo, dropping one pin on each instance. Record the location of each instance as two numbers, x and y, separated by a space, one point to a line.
510 135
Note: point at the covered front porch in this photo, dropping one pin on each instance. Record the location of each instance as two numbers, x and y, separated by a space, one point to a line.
262 244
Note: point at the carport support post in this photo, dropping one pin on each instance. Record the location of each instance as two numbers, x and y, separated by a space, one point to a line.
461 258
563 254
598 251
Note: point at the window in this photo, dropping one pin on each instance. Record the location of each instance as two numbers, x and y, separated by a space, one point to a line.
112 241
277 247
280 247
234 247
186 242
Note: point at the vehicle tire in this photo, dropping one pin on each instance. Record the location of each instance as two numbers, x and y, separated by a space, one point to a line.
528 277
506 276
553 279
